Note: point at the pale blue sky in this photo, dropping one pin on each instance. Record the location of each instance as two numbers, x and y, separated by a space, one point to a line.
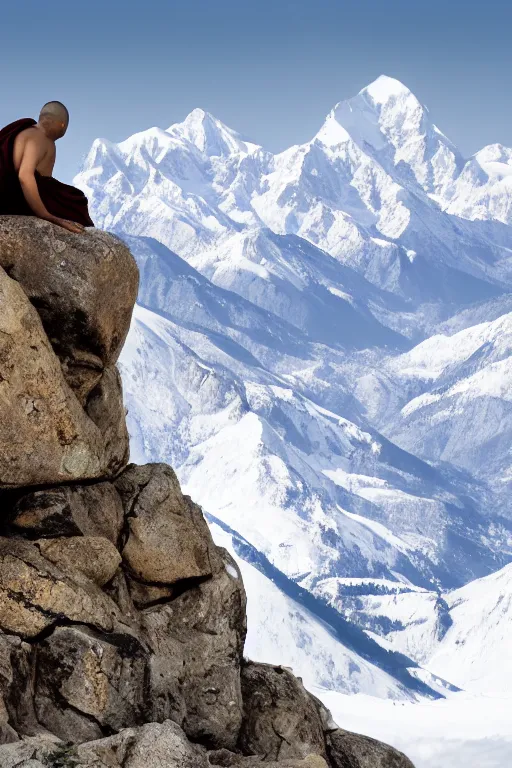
271 69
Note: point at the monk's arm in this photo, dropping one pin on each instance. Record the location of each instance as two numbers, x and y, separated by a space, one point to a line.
26 174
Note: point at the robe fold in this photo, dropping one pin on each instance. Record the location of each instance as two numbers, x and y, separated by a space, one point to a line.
60 199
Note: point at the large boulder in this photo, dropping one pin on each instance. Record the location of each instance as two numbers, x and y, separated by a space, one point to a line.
152 746
70 510
88 682
83 286
168 539
149 746
22 754
35 594
45 435
196 643
281 721
352 750
40 751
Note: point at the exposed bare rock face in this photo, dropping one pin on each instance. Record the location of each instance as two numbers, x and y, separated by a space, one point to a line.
147 595
281 721
88 682
45 435
93 556
352 750
152 745
197 644
35 594
231 760
70 510
167 536
83 286
17 714
105 409
122 625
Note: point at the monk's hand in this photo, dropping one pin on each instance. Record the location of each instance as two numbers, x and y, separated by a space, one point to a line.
71 226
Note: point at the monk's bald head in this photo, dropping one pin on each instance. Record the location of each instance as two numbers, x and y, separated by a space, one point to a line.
54 117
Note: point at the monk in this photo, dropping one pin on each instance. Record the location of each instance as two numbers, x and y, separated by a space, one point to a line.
27 159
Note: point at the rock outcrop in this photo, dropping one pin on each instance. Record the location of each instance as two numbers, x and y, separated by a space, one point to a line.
69 510
122 625
84 289
167 538
46 436
281 719
352 749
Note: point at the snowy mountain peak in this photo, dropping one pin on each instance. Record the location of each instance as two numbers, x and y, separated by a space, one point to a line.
198 115
389 124
195 122
100 149
496 160
385 88
384 113
210 135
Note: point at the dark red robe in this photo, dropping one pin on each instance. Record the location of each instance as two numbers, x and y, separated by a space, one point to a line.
60 199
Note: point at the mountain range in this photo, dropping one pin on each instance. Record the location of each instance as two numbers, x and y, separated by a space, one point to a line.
321 350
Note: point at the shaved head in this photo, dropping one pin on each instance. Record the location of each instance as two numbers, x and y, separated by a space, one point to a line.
54 119
55 110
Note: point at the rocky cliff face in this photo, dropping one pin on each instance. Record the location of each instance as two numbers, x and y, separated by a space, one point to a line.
122 625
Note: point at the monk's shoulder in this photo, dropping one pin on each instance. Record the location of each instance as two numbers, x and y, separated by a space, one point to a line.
33 136
29 137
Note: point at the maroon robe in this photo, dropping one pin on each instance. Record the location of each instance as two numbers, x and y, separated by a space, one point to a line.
60 199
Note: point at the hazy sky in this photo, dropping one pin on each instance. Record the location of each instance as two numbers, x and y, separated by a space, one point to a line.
271 69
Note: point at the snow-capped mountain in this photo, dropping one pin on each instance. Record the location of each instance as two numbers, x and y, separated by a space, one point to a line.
210 387
462 635
483 190
388 122
362 190
450 398
309 636
320 349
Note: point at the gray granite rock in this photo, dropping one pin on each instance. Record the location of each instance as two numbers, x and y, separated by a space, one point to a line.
280 719
352 750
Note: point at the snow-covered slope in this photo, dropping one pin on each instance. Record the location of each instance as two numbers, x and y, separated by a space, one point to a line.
450 399
285 276
337 657
461 732
210 389
475 651
484 188
461 635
